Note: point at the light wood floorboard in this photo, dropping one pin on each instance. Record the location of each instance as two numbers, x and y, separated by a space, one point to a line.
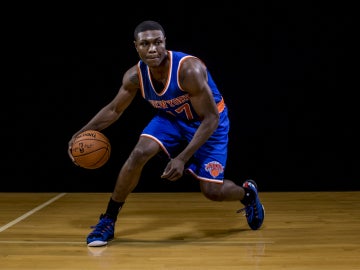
302 230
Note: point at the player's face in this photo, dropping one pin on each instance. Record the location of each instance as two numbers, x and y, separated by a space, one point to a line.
151 48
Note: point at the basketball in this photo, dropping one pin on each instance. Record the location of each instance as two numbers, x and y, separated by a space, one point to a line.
91 149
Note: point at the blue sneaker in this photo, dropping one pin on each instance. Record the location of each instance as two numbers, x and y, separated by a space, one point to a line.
103 232
253 210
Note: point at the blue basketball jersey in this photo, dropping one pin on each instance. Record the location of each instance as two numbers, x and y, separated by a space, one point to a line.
172 99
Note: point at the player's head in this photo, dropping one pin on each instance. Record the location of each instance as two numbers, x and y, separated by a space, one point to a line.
150 43
146 26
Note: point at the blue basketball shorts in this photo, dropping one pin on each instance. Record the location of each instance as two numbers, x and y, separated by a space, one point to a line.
209 161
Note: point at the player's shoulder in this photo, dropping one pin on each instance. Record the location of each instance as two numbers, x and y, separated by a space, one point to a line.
184 57
131 77
191 64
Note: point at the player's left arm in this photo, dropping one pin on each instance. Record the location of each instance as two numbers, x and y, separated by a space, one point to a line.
193 79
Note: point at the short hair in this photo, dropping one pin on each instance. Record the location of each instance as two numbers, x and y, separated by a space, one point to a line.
147 25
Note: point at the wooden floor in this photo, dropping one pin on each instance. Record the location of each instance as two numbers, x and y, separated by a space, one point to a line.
302 230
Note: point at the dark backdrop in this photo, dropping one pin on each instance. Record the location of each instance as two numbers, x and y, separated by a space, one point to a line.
285 70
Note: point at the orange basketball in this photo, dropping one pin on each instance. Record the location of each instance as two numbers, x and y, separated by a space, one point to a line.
91 149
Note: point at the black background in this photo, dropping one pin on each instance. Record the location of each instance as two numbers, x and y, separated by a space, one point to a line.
286 70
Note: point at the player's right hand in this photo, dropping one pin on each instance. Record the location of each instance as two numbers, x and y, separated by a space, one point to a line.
173 170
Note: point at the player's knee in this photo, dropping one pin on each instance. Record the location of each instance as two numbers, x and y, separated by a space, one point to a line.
212 192
214 196
138 155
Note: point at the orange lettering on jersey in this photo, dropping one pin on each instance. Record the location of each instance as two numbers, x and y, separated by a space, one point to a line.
164 104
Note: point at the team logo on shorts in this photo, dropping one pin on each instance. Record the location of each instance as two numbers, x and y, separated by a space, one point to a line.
214 168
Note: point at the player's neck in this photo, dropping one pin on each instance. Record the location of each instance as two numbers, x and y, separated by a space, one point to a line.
161 72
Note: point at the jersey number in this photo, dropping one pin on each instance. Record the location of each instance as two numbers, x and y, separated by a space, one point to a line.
185 108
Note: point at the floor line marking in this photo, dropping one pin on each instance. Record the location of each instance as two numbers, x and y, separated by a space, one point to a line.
142 242
41 242
6 226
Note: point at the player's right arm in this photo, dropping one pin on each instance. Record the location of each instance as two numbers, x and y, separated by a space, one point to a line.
115 108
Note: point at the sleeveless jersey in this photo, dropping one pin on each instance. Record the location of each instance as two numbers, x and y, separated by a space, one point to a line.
172 99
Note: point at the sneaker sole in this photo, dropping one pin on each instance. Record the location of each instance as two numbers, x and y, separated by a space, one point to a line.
97 243
263 215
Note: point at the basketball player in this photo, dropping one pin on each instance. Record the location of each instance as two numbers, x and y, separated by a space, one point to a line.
190 107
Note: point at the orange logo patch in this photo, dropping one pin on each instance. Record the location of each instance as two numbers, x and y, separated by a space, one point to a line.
214 168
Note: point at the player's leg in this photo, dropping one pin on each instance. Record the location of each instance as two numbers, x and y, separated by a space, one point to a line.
247 194
159 134
208 167
225 191
127 180
129 175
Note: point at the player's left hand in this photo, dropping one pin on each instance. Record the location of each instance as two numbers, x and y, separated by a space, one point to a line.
174 169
